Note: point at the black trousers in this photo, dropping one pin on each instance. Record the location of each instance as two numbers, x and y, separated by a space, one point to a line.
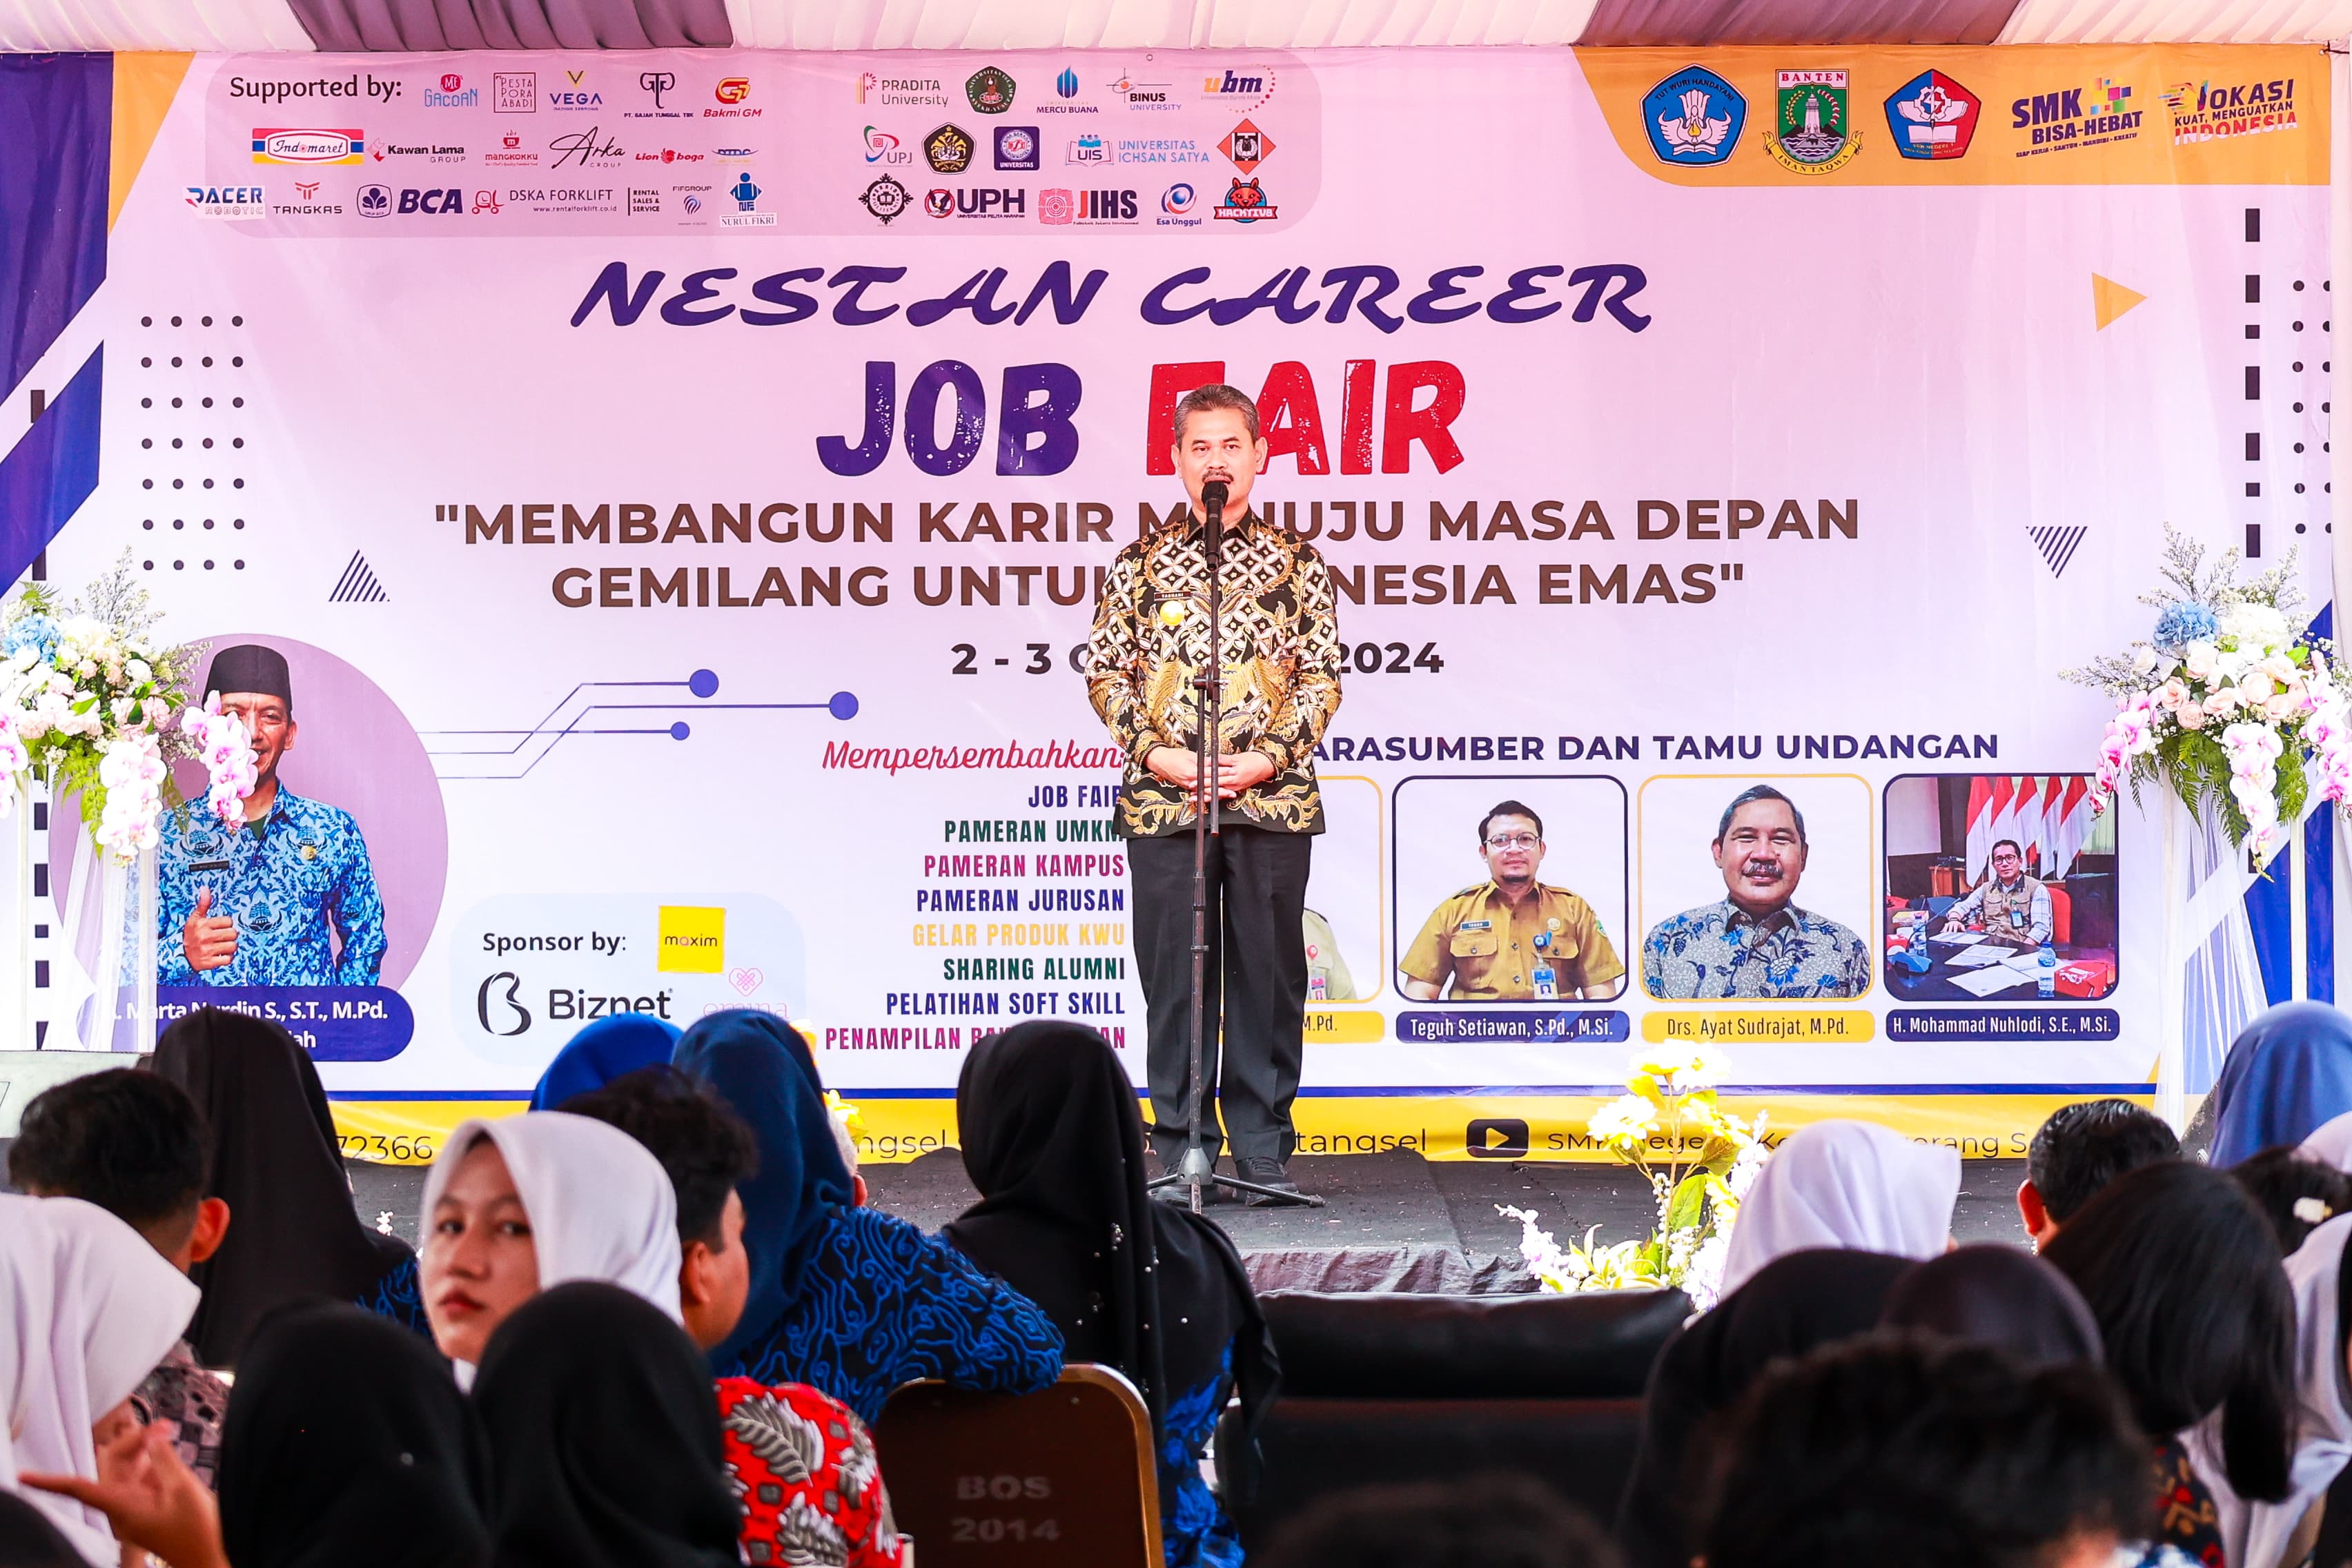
1257 892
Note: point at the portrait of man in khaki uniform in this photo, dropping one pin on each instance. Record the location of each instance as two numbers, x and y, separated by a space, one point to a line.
1511 938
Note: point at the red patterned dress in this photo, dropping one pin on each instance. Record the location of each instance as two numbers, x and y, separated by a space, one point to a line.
804 1471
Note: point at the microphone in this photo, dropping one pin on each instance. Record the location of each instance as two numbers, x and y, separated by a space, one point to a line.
1212 509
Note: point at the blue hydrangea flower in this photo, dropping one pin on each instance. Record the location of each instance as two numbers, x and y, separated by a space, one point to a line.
2183 623
38 632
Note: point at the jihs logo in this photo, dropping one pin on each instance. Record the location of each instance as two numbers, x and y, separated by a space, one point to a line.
511 1018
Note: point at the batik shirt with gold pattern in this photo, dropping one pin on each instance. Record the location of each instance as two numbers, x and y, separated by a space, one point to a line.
1281 655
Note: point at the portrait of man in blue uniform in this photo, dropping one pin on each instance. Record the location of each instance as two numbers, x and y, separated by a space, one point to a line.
288 898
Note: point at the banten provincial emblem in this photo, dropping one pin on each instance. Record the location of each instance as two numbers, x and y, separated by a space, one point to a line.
1813 129
1694 118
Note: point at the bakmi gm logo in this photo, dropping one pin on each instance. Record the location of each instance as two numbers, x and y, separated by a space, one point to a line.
691 941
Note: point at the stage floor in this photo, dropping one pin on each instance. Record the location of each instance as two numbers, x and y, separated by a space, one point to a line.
1392 1200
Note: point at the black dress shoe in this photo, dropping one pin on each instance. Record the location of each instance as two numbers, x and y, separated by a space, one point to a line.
1268 1172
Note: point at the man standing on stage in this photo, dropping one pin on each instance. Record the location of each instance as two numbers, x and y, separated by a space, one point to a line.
1278 689
261 906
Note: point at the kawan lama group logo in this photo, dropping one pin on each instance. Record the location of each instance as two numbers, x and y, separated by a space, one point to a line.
1812 125
1694 118
1932 116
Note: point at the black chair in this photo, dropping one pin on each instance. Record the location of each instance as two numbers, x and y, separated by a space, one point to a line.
1396 1388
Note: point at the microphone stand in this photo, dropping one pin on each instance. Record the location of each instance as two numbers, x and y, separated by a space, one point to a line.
1196 1170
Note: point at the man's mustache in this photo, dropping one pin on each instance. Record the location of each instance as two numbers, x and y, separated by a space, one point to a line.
1760 866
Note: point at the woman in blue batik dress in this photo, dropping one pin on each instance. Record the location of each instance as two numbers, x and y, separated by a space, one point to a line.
847 1299
1053 1139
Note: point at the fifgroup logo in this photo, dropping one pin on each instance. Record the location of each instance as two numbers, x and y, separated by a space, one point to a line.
1694 118
1932 116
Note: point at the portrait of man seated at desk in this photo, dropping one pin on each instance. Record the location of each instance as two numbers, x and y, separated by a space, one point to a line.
1988 874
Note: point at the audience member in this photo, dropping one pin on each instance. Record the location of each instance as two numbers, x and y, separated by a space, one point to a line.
2296 1192
1845 1184
1915 1450
608 1049
133 1143
1997 1296
86 1310
519 1205
2287 1075
275 1163
848 1301
2080 1149
803 1463
1792 1305
348 1443
28 1539
2332 1142
2182 1274
2258 1532
604 1437
1054 1142
1491 1521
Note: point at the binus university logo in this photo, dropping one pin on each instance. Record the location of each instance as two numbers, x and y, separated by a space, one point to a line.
886 199
498 1004
988 90
948 149
1694 118
1933 117
1812 125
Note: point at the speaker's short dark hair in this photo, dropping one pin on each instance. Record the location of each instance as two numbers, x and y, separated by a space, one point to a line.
1504 1520
2012 843
707 1149
1749 796
2085 1145
1909 1449
1202 399
1510 808
131 1143
2282 1177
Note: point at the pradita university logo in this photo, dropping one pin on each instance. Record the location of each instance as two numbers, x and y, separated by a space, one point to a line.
1813 123
1932 116
1694 118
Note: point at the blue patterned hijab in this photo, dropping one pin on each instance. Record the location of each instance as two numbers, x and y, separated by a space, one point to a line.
2289 1072
761 1067
602 1052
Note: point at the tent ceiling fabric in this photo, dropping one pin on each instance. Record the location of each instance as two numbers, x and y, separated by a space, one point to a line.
982 25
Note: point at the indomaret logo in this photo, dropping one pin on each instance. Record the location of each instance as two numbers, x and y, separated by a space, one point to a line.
2212 111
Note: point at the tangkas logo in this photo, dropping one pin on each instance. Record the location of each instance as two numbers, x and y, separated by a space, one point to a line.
500 1007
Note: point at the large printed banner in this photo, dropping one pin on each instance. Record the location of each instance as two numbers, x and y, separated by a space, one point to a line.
678 484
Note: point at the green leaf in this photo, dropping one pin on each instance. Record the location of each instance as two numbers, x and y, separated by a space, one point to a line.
1690 1201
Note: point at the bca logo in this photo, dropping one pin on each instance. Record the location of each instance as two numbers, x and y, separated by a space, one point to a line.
450 202
1492 1138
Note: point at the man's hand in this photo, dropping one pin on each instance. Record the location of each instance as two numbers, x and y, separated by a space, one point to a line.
1247 771
209 940
1172 765
150 1497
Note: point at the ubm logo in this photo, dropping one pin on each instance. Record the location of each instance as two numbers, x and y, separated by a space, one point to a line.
1230 84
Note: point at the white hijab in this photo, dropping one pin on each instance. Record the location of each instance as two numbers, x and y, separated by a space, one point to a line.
601 1205
2256 1533
86 1310
1850 1185
2331 1143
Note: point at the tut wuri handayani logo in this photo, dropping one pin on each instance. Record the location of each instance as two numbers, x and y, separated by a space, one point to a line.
1694 118
1812 125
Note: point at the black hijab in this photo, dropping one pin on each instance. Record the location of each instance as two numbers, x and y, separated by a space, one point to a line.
1053 1139
292 1232
28 1539
1792 1304
347 1441
601 1413
2000 1296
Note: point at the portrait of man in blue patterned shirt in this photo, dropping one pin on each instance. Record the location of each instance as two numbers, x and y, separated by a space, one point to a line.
288 900
1756 941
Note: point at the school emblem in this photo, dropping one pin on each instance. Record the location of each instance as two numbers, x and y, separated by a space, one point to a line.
989 90
1694 118
948 149
1812 126
1932 116
886 199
